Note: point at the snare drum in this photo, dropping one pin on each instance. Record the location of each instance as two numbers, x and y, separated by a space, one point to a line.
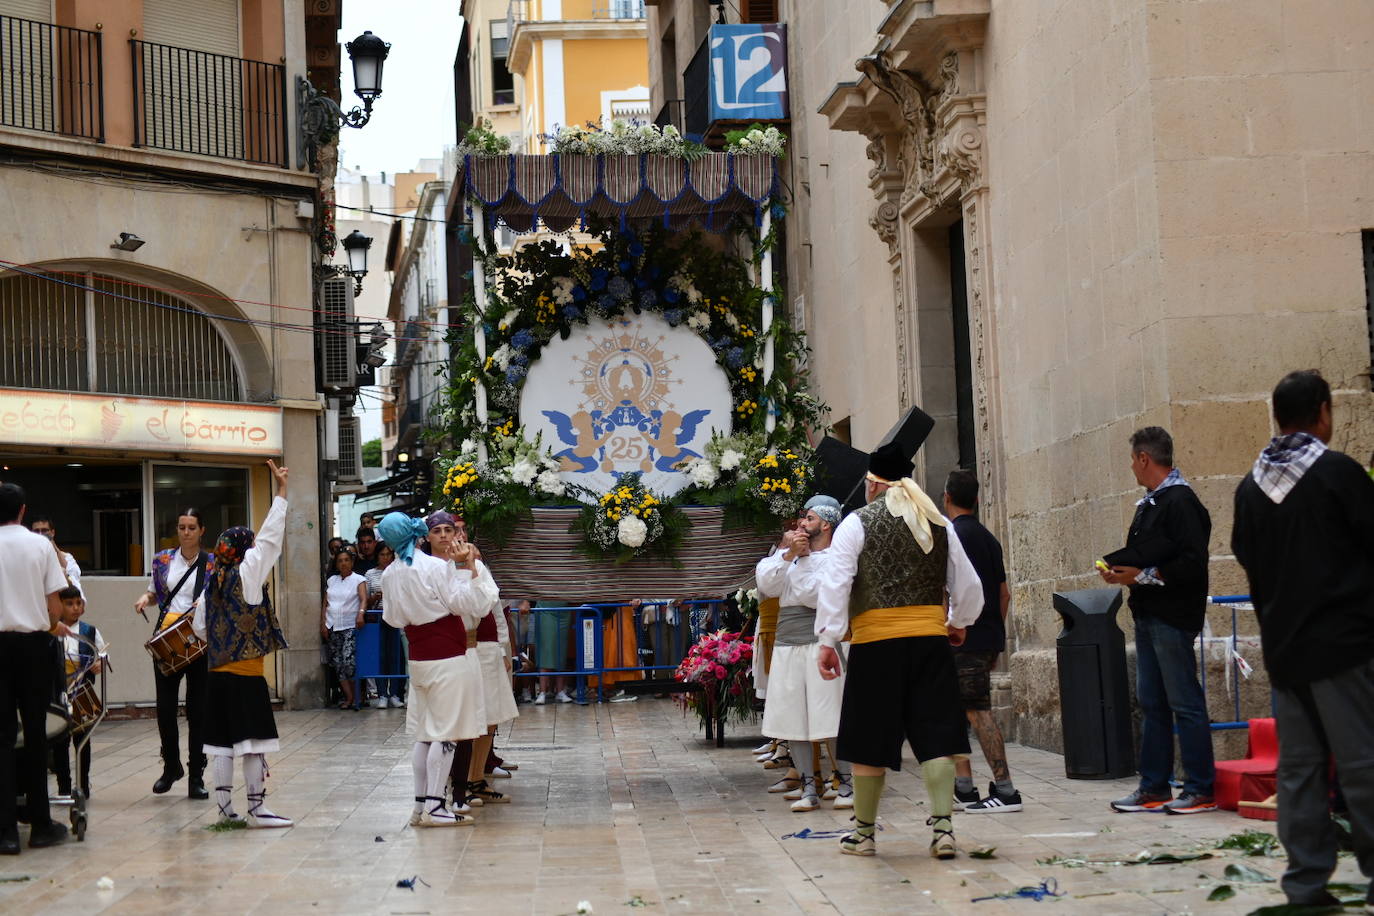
55 724
176 646
85 707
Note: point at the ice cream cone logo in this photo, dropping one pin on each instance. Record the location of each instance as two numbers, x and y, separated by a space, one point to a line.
110 421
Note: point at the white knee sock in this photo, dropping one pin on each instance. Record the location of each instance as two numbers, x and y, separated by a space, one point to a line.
223 773
255 780
419 767
438 764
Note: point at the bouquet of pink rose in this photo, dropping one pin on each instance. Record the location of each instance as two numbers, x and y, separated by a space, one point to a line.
722 664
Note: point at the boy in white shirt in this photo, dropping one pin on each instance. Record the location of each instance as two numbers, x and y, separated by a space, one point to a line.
77 653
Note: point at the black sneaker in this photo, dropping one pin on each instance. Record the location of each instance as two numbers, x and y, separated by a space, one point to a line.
963 799
995 803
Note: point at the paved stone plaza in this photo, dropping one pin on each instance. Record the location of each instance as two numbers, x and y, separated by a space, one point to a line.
617 805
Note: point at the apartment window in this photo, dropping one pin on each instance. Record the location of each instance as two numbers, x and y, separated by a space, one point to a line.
751 11
502 82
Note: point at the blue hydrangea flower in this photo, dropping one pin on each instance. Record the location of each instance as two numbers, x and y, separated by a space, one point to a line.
606 302
734 357
514 374
519 359
579 294
648 299
636 248
572 312
673 317
598 280
671 295
619 287
522 340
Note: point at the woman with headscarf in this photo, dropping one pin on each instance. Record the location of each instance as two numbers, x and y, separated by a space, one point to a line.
437 603
237 621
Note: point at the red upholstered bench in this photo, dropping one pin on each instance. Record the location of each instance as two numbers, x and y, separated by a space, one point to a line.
1262 760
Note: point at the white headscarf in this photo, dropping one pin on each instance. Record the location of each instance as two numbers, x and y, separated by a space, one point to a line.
907 501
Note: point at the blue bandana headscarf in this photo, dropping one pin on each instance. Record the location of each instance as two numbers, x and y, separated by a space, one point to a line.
399 532
827 508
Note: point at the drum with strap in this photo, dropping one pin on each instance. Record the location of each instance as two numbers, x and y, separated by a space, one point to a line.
175 646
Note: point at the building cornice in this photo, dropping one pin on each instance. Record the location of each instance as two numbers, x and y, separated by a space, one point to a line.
527 32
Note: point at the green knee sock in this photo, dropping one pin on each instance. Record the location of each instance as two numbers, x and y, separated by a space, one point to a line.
867 789
939 775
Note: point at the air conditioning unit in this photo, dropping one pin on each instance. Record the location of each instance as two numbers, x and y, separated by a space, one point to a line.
334 343
350 454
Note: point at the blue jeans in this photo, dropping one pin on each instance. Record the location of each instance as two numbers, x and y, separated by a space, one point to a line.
1168 693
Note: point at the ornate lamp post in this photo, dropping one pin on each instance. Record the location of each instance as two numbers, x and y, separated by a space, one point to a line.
320 117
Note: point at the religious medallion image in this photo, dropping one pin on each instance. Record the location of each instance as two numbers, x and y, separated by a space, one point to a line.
633 395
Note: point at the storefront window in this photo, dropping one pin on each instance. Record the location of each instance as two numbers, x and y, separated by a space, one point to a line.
220 493
96 507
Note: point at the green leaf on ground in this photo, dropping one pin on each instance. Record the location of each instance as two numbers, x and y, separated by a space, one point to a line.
225 826
983 852
1221 892
1251 843
1342 889
1239 871
636 900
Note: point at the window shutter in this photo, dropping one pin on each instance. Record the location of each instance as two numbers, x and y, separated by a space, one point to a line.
37 10
201 25
752 11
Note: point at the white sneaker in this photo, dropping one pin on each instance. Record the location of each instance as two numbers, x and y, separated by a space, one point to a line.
623 697
541 698
396 703
562 697
379 702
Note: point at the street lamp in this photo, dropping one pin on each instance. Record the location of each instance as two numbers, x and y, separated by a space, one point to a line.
377 338
355 246
321 117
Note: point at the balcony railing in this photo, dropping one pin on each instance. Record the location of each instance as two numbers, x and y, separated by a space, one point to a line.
50 79
209 104
618 9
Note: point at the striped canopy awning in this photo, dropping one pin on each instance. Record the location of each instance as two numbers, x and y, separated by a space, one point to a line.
563 190
544 560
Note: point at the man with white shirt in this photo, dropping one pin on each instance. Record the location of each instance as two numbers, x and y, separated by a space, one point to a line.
175 585
897 578
30 580
43 525
437 603
802 707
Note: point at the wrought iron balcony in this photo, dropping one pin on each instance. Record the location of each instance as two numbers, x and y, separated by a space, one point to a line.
51 79
209 104
618 9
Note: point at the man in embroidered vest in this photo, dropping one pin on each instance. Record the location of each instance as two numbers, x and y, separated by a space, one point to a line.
897 577
237 622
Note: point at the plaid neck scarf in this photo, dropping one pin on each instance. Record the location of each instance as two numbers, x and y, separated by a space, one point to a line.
1283 462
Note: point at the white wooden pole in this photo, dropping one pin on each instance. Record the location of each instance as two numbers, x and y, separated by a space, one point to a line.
479 334
766 284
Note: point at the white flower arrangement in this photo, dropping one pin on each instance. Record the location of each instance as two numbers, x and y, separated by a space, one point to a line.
631 531
730 459
703 473
523 471
551 483
621 137
563 289
698 321
759 141
509 319
481 140
502 357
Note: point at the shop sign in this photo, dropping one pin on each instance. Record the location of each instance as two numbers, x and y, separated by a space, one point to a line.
748 72
62 419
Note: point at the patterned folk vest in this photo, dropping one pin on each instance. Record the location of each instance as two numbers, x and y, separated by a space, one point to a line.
162 584
236 630
893 571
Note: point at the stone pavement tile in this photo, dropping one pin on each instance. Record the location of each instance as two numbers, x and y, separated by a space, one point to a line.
610 803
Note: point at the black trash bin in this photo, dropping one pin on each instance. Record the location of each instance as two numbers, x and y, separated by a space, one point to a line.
1094 698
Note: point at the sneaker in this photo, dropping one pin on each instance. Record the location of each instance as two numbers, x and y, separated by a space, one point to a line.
497 773
396 703
786 784
995 803
962 800
621 696
942 841
1187 803
562 697
1140 800
378 702
541 698
51 835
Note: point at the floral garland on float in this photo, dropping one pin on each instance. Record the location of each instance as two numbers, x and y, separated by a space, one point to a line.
722 664
610 296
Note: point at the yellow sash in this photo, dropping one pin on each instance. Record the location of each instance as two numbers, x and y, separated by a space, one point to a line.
768 628
896 622
249 667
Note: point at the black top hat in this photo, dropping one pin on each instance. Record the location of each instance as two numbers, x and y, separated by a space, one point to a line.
889 462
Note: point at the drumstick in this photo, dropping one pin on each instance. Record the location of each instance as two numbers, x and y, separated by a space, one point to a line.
142 613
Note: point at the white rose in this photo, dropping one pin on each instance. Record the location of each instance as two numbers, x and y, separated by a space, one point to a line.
703 473
631 531
730 459
523 471
549 482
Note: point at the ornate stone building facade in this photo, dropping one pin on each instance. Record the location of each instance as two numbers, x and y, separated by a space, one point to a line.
1052 222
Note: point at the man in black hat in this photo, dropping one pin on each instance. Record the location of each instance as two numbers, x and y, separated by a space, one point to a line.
894 567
